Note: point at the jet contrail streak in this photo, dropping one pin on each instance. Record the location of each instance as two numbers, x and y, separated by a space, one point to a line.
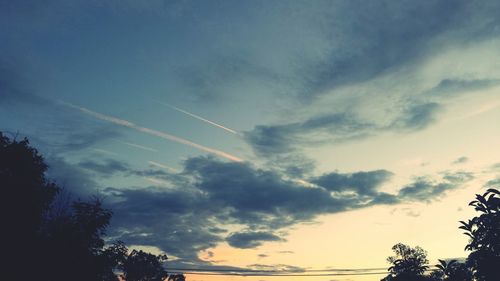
201 118
163 166
152 132
139 146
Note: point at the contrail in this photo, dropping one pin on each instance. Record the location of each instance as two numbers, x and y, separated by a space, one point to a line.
163 166
201 118
152 132
139 146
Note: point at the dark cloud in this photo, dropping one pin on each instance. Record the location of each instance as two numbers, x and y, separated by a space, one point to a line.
282 139
245 240
276 139
461 160
360 40
108 167
380 37
425 189
71 177
363 183
180 221
416 117
209 195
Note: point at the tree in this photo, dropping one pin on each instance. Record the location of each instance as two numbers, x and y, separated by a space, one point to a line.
48 236
176 277
142 266
26 199
74 241
409 264
484 236
452 271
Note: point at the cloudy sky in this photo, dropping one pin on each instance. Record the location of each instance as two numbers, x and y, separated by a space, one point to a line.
296 135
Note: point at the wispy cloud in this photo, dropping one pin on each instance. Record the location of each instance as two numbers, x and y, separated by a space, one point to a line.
139 146
201 118
103 151
163 135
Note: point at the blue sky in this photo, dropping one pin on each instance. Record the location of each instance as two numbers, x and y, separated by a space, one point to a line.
219 129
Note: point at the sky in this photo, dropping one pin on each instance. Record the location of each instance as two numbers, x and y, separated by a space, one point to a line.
263 135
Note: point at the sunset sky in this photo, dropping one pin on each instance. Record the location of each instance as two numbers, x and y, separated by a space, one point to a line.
263 135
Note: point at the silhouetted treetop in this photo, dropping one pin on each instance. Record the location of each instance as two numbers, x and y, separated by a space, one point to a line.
407 264
484 236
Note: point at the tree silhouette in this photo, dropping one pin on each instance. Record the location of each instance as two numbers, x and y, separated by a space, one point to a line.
452 271
25 201
56 238
176 277
484 236
74 241
142 266
408 264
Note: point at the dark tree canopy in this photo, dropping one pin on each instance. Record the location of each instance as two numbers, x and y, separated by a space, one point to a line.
142 266
47 236
407 264
25 201
484 234
451 271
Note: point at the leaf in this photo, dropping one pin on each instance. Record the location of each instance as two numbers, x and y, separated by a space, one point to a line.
492 190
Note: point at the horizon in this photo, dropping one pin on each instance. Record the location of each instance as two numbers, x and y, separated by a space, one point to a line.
263 135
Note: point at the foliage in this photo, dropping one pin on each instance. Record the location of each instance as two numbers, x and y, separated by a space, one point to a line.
176 277
452 271
484 236
25 202
55 237
142 266
407 264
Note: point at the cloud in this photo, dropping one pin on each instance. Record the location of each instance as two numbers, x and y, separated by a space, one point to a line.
245 240
363 183
416 117
268 140
450 87
71 177
271 139
461 160
209 195
494 183
107 168
425 189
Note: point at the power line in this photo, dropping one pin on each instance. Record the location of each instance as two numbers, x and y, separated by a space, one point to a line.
280 271
276 271
277 275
